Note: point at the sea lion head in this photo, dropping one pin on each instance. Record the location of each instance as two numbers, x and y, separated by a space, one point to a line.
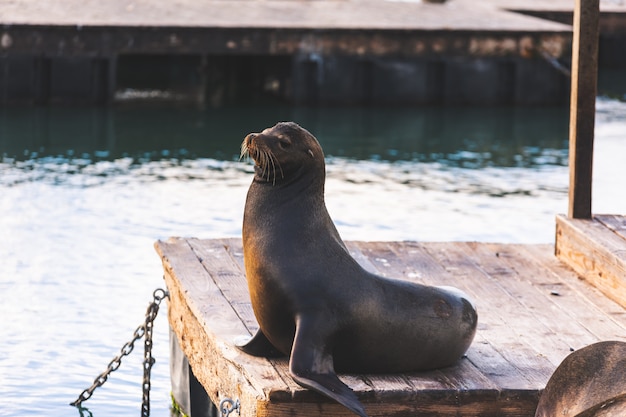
284 153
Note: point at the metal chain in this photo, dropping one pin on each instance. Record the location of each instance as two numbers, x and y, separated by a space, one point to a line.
227 406
145 329
148 360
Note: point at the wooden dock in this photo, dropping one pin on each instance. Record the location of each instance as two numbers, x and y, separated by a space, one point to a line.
536 303
534 310
305 52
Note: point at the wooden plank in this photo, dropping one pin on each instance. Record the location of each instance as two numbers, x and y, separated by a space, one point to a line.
235 250
596 253
226 274
320 15
554 332
583 106
504 323
614 222
604 318
205 324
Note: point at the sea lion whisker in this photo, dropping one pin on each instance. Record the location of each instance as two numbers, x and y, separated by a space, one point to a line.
244 151
262 161
265 159
268 164
273 161
277 163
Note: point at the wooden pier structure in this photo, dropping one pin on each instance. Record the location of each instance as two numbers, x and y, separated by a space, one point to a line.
217 52
536 303
534 310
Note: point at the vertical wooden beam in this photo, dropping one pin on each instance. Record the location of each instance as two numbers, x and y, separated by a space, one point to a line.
583 106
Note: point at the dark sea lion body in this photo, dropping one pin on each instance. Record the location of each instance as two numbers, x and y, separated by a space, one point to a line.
313 301
591 382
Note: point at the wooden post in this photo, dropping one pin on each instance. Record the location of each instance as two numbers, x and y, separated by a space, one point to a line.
583 106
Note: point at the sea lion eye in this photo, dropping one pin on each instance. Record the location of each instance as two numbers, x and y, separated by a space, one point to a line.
284 144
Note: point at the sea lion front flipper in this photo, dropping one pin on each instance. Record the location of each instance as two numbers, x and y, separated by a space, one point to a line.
311 365
258 345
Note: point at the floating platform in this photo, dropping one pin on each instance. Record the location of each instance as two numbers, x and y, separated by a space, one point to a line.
218 52
534 310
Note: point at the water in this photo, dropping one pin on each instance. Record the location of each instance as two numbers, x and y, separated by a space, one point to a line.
85 192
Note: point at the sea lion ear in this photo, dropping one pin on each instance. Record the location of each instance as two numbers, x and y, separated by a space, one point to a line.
310 152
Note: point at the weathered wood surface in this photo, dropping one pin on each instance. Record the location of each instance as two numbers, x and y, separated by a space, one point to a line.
614 222
319 14
596 250
583 106
370 14
533 311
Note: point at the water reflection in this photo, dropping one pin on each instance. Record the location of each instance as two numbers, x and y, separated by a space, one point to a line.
472 137
84 412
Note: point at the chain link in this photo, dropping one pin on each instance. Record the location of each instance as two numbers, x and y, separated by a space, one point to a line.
145 329
228 406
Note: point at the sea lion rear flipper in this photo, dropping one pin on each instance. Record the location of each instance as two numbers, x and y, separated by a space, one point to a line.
257 345
311 365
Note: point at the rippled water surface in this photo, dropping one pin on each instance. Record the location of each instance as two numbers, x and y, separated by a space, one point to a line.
85 193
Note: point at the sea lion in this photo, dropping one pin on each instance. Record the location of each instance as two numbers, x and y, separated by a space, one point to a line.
588 383
313 301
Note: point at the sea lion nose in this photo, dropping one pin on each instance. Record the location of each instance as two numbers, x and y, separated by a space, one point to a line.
250 137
